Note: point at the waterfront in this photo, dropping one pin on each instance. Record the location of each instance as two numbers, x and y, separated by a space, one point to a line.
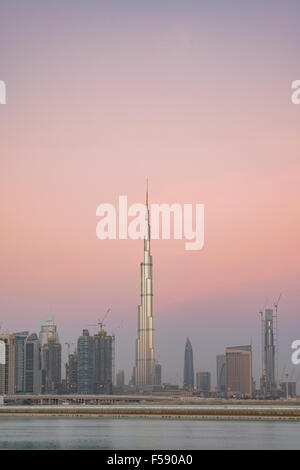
128 433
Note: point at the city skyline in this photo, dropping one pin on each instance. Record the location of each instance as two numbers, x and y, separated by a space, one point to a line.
268 381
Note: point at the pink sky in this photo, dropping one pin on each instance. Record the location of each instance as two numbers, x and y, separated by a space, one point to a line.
99 103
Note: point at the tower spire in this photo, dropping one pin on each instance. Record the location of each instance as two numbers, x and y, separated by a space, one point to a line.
147 193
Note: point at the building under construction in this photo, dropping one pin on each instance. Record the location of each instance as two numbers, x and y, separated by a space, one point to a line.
269 338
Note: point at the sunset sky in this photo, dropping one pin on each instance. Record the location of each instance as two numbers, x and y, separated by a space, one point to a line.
196 97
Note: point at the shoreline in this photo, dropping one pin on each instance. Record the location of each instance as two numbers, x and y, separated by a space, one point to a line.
165 412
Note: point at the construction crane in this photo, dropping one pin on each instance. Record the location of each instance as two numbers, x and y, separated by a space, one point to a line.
100 323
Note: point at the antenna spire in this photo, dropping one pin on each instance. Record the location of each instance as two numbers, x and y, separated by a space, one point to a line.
147 193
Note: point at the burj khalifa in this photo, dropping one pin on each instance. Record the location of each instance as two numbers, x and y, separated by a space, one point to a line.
145 368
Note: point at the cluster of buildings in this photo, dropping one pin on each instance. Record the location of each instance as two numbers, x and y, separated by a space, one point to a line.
234 369
31 363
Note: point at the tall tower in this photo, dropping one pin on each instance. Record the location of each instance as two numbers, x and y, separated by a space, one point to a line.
188 366
269 353
144 371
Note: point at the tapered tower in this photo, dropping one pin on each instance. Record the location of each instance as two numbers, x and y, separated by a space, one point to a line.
188 366
144 371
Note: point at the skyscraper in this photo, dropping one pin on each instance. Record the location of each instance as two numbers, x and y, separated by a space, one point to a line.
103 362
72 373
221 373
20 346
51 375
7 351
33 372
268 380
239 370
188 372
203 381
86 361
144 371
48 330
120 380
2 366
157 374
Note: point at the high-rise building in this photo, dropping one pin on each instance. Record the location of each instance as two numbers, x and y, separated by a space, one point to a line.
120 380
51 373
72 373
203 380
221 373
239 370
144 371
8 351
20 346
157 374
268 380
288 389
2 366
103 363
33 371
188 372
86 363
48 330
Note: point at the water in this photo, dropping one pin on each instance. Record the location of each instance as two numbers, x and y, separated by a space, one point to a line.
117 434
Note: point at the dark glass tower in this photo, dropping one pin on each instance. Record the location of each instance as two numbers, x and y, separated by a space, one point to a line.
188 366
33 372
86 363
103 363
20 342
51 375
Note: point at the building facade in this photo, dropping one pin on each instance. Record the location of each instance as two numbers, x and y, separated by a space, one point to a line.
20 347
51 366
268 380
120 381
72 373
86 363
33 368
8 368
103 345
221 373
188 371
203 381
239 371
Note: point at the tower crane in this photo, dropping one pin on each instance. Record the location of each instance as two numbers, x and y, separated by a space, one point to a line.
100 323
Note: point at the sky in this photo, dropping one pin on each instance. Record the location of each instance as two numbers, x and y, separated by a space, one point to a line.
196 97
